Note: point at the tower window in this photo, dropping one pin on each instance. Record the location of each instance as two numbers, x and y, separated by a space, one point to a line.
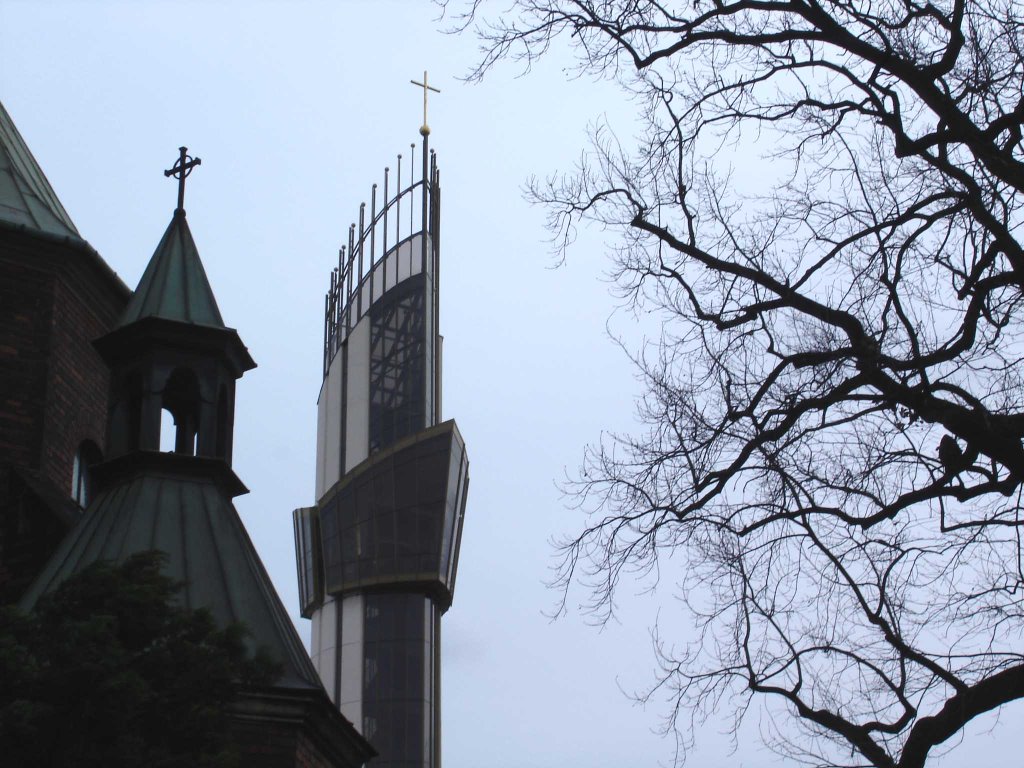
86 457
181 401
397 365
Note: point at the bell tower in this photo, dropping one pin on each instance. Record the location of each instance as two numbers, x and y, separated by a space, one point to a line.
171 351
377 554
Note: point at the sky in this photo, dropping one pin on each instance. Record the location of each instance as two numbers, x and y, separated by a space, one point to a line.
295 109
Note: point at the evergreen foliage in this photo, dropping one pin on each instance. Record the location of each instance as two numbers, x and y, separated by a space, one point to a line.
111 671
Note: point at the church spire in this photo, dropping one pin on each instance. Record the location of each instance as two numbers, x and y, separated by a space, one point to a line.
174 285
171 351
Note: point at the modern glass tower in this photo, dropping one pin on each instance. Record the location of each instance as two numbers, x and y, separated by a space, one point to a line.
377 554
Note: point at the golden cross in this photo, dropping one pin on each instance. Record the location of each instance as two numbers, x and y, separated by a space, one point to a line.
425 129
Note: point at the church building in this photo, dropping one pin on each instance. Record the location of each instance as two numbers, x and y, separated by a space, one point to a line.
56 296
88 368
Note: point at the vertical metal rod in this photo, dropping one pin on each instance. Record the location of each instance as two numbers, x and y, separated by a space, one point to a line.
398 215
348 282
327 327
434 193
362 238
337 304
337 290
435 246
435 238
362 244
423 211
373 232
412 165
428 289
384 230
397 221
332 310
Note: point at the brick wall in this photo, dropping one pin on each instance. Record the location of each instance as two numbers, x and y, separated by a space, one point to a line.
54 301
78 381
55 298
26 295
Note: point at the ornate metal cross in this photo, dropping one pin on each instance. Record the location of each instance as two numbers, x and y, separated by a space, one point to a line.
425 129
182 168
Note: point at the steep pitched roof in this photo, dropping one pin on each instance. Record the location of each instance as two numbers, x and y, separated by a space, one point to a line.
179 505
174 285
26 197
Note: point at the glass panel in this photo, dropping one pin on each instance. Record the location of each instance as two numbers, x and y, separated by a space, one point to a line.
453 562
394 697
331 542
387 524
397 365
456 471
307 554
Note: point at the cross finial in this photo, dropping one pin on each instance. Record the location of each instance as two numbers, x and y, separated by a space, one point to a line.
182 168
425 129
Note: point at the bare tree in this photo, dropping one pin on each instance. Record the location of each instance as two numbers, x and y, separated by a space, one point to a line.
825 207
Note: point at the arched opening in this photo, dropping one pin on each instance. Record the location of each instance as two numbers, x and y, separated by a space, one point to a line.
86 457
126 415
181 400
168 433
222 423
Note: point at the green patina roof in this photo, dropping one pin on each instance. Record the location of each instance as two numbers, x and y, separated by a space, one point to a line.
174 285
26 197
194 522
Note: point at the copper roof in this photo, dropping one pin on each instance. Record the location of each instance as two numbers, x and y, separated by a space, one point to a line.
181 506
174 285
26 197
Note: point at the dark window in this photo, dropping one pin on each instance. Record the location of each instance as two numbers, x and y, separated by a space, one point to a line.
394 697
399 519
86 456
397 364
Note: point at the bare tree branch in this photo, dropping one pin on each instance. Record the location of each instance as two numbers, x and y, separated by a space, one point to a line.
825 209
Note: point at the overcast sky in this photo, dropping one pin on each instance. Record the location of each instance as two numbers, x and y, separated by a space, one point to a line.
295 109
